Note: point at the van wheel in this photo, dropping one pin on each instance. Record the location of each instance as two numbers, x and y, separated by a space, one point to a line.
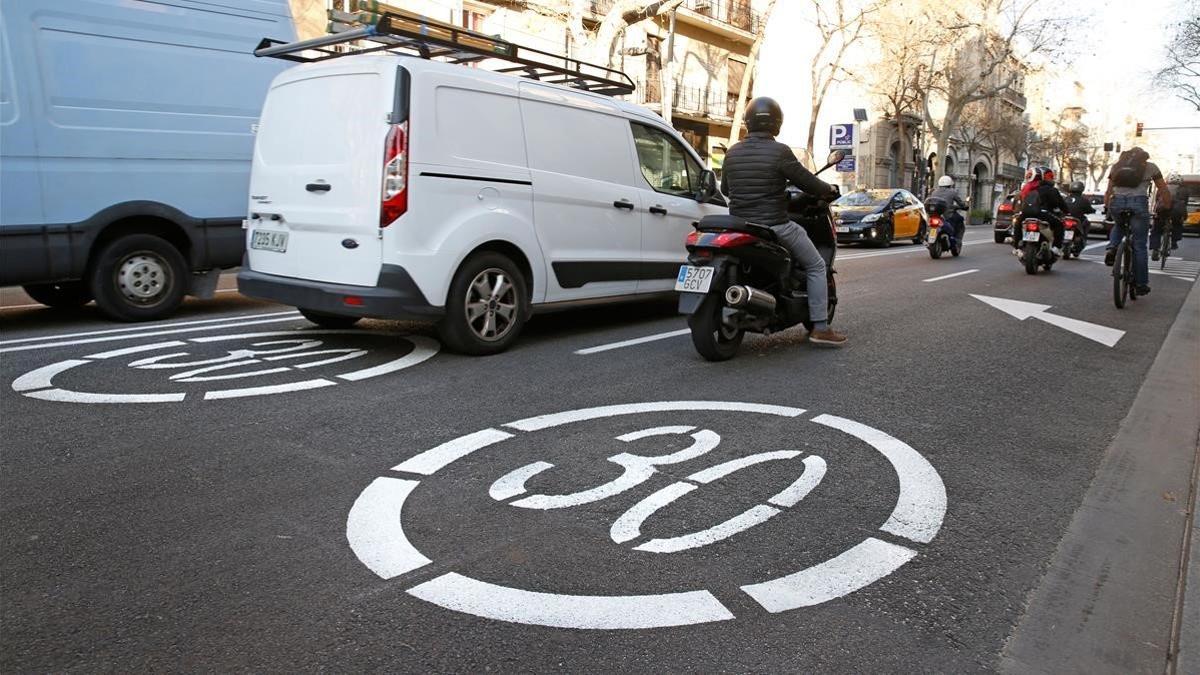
138 277
65 294
486 307
329 320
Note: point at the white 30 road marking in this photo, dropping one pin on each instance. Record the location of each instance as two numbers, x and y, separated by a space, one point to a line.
275 354
127 334
375 529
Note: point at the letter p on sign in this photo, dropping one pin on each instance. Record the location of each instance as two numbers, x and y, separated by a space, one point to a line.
841 135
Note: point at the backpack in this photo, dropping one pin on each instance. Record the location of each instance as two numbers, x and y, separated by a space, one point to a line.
1031 201
1130 169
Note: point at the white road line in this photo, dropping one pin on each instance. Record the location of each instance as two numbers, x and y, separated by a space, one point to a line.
950 276
144 327
1095 245
917 248
921 506
557 419
870 561
374 531
463 594
135 336
635 341
65 396
36 304
268 390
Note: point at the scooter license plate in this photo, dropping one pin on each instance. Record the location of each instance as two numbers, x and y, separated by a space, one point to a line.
694 279
933 235
1032 236
1068 235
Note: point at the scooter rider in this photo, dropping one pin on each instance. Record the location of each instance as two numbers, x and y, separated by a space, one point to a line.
1079 207
946 194
755 175
1039 199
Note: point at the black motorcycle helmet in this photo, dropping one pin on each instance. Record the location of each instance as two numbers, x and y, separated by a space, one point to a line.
764 114
1076 188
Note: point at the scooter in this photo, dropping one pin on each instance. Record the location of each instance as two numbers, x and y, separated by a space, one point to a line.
1074 237
941 231
739 278
1036 248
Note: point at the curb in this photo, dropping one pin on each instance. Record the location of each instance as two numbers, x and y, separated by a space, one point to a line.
1109 600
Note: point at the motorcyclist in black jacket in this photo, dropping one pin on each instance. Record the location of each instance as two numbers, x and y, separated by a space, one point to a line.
754 178
1041 199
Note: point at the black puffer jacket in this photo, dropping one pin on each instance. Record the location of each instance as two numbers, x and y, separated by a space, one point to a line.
755 175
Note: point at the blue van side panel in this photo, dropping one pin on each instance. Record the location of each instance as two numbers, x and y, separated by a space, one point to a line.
130 102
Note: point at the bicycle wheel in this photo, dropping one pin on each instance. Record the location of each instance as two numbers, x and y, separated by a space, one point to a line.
1120 281
1164 250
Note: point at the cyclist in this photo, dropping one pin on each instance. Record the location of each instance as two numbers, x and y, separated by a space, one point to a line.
1129 188
1179 199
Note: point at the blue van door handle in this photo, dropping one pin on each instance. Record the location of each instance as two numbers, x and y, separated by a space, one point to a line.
318 187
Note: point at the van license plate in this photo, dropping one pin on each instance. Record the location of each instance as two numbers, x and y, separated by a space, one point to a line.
266 240
1032 236
693 279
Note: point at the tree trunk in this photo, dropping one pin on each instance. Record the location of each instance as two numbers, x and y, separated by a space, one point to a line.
739 109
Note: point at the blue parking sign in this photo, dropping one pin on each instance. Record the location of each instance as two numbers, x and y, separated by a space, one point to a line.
841 135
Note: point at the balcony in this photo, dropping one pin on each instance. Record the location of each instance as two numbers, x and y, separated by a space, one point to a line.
735 13
1014 98
693 102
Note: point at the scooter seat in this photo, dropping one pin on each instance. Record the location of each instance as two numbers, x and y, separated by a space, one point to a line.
726 223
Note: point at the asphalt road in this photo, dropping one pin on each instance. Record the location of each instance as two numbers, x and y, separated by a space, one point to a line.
233 490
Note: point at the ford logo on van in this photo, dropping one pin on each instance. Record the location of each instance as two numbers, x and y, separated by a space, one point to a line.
349 243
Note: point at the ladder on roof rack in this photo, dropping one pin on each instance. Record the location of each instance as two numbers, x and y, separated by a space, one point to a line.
398 31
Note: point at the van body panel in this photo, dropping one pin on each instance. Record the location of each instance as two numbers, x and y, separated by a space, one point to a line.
580 157
322 127
136 110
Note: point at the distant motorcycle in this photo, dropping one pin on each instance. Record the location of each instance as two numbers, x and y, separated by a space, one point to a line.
738 278
1074 237
1036 245
941 231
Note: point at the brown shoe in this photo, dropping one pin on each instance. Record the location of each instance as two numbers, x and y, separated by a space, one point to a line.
828 337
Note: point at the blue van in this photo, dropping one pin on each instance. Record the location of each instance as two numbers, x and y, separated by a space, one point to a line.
126 132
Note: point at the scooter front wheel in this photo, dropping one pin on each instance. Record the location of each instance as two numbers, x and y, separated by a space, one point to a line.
712 338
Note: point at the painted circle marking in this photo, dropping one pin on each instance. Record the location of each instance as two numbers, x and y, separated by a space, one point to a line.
295 352
375 530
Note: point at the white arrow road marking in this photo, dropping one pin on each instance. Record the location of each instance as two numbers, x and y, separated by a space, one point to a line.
864 564
464 594
1024 310
374 531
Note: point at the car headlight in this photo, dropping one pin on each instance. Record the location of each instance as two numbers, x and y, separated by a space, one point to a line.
872 217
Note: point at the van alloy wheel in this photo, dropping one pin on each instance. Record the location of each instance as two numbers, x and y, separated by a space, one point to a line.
491 304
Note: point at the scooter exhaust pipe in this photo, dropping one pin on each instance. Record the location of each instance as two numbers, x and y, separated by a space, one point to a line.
751 299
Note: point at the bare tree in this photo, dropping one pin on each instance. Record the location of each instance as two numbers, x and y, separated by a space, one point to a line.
839 25
1098 161
599 44
1181 73
739 109
975 58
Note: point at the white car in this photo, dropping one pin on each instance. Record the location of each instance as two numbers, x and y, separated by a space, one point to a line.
398 187
1097 222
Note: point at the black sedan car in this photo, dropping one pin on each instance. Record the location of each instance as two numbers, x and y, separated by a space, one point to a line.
879 217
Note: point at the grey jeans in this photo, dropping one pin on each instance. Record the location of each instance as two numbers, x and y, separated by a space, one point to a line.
805 254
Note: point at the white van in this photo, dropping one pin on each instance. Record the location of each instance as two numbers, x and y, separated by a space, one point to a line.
393 186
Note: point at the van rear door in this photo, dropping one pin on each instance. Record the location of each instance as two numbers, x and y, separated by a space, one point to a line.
315 185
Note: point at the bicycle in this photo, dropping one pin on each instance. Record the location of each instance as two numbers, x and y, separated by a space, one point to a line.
1123 284
1162 223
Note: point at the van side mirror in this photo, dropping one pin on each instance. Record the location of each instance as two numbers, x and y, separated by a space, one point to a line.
708 186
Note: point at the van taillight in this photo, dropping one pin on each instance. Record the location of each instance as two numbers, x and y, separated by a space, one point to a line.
394 198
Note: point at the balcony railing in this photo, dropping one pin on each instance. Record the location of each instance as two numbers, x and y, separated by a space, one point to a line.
1015 98
695 101
736 13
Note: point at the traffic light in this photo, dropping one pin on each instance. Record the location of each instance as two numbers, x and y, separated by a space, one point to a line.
1108 147
1140 126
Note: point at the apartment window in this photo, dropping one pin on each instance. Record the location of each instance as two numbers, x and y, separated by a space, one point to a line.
737 71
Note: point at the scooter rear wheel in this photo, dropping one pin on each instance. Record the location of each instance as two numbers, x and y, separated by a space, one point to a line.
714 340
1031 258
935 249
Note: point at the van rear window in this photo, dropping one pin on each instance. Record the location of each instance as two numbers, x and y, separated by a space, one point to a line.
317 120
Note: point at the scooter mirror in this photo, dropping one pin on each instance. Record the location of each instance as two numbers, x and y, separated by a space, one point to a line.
835 157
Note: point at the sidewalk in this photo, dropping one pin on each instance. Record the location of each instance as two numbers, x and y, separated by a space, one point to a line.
1121 595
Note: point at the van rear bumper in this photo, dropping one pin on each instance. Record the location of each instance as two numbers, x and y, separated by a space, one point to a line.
394 296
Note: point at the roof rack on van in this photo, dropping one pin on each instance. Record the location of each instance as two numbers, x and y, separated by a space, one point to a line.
400 31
